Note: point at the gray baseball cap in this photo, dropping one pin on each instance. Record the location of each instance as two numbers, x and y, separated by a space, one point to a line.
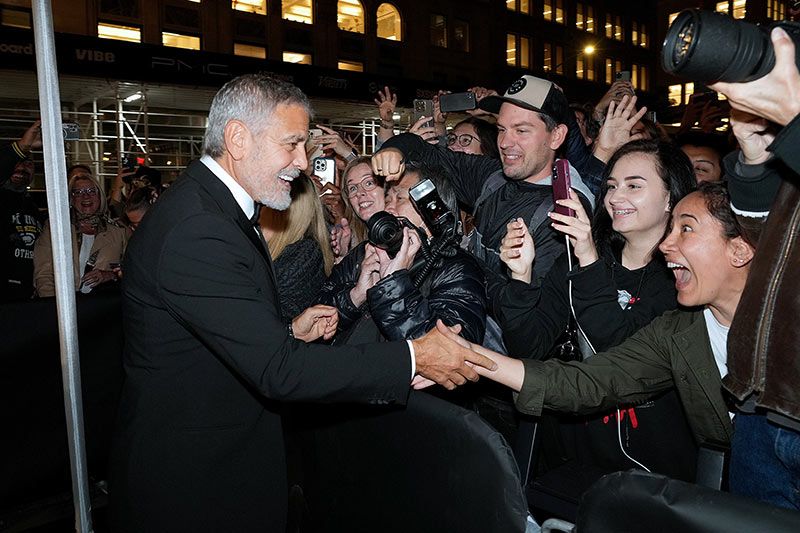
536 94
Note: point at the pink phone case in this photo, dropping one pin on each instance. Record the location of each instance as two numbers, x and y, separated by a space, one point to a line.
561 186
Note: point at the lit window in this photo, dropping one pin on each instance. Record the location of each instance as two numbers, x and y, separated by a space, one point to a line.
389 23
553 58
675 95
460 36
518 51
638 34
511 50
584 17
776 9
614 27
294 57
297 11
639 77
15 18
177 40
353 66
609 71
350 16
547 10
584 66
547 57
249 50
739 8
439 31
524 52
250 6
520 6
723 7
672 17
559 5
119 33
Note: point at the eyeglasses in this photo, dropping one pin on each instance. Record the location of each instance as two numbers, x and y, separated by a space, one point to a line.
465 139
366 185
89 191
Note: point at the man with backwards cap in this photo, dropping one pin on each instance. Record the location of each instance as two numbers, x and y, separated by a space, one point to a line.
531 119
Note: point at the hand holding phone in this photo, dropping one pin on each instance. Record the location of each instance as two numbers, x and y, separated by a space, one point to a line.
457 102
561 187
325 169
423 108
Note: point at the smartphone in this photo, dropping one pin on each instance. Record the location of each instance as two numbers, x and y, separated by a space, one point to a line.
71 131
423 108
651 116
457 102
129 162
623 75
325 169
314 132
561 186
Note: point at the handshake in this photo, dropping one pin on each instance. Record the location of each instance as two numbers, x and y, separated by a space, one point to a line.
441 355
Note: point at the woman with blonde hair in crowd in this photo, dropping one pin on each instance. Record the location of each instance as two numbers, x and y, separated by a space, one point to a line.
298 243
98 243
362 192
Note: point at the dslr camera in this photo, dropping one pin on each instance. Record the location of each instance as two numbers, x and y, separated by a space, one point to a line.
709 47
385 231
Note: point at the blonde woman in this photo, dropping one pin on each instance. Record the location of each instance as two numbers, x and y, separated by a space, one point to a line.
298 243
97 241
362 192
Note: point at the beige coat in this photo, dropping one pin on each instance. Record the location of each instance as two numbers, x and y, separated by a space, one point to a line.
108 247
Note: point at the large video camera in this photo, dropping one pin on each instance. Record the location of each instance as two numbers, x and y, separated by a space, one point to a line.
708 47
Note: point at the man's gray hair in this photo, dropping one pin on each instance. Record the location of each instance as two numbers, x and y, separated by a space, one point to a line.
252 99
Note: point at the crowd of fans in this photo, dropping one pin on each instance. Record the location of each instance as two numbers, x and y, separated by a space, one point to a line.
613 322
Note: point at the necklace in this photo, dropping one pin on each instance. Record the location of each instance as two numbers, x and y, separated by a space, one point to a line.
626 299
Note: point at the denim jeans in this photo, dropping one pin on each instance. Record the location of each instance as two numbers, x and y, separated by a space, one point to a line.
765 461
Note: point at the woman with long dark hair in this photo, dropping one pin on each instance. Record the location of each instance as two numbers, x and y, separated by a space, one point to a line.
613 283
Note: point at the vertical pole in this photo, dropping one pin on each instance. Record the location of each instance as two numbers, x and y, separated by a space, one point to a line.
56 180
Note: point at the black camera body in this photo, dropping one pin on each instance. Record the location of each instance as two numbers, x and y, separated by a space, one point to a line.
385 231
709 47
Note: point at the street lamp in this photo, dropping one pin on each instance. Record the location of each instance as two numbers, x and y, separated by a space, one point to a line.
587 50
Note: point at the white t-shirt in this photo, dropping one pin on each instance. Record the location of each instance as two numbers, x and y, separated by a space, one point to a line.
718 335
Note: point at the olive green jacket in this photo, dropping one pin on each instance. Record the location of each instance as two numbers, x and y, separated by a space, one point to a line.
672 351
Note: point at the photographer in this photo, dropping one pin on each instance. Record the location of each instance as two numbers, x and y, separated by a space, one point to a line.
764 370
369 280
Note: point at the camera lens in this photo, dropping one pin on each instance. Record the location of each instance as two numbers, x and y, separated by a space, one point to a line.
385 231
710 47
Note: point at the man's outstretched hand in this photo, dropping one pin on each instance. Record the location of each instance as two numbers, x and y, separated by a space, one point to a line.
442 360
315 322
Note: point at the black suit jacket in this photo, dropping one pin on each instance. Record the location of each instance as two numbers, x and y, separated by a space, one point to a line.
199 445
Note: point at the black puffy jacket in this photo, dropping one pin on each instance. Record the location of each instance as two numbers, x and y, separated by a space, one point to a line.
456 293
